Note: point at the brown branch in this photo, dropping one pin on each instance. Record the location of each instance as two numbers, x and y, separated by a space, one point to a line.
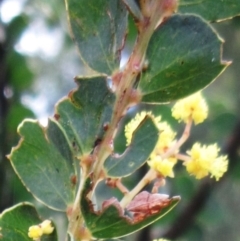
186 218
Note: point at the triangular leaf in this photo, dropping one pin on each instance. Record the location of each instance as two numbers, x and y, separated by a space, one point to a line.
44 163
15 222
143 142
109 223
84 113
212 10
184 56
99 29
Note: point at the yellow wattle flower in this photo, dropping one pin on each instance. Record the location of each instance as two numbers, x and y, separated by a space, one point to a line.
165 167
219 167
165 141
166 137
193 106
35 232
205 160
47 227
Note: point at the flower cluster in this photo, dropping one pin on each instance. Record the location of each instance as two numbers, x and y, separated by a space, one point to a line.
193 107
36 231
204 160
200 161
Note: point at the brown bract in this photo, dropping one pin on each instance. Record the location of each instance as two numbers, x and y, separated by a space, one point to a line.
146 204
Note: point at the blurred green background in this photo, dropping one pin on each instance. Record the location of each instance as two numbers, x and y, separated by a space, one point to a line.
38 61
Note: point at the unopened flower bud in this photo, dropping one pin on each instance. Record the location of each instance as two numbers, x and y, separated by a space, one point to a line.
47 227
35 232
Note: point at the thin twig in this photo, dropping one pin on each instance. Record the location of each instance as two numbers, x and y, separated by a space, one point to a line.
179 143
149 176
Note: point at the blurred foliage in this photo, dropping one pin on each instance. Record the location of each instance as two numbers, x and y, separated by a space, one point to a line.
39 77
15 77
